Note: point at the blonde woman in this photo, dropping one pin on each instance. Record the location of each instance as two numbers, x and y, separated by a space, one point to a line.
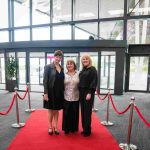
87 87
71 102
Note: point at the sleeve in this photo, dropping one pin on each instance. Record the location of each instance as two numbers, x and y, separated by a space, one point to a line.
93 80
45 79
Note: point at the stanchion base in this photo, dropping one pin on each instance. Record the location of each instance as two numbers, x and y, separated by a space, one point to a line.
105 123
29 110
94 109
18 125
127 147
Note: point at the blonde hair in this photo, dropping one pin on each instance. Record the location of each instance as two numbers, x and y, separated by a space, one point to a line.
87 56
71 61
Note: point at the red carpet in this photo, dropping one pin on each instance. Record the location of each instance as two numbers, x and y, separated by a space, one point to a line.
34 136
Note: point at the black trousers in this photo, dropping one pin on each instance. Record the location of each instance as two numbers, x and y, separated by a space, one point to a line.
70 116
86 110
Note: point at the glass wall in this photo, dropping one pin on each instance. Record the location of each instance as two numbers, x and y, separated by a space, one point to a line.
4 37
41 33
4 14
84 30
86 9
111 8
138 70
138 31
21 13
62 10
136 8
40 12
112 30
22 35
75 19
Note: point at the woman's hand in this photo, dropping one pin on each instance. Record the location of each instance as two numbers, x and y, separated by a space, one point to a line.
45 97
88 96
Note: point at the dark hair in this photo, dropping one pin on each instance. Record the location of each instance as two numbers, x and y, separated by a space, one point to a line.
58 53
71 61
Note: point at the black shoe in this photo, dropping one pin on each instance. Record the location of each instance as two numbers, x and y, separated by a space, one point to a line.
56 131
82 132
86 134
50 131
66 132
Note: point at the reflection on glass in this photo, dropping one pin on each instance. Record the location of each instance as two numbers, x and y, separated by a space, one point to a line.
138 31
110 8
62 32
42 33
21 13
41 9
4 36
84 30
4 13
141 7
50 58
138 70
86 9
111 30
61 10
22 35
74 56
107 78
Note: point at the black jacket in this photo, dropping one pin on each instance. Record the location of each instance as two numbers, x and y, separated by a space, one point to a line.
49 77
88 79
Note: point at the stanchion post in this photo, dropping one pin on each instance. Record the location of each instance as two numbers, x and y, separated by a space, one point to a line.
18 124
128 146
29 102
107 122
94 109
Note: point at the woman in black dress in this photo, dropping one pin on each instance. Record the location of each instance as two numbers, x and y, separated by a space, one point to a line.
87 87
54 90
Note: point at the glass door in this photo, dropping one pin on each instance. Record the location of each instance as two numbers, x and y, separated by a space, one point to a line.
21 70
138 76
37 63
107 76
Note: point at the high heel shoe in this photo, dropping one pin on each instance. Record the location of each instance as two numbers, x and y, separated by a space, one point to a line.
56 131
50 131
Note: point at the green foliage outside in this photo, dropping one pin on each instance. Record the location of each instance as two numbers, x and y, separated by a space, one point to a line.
11 68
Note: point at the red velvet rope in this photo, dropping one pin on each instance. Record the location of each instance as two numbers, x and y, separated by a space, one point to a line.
115 106
12 102
22 98
100 97
141 116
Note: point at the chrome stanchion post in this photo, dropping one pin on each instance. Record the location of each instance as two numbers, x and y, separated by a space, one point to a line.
29 109
128 146
107 122
18 124
94 109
